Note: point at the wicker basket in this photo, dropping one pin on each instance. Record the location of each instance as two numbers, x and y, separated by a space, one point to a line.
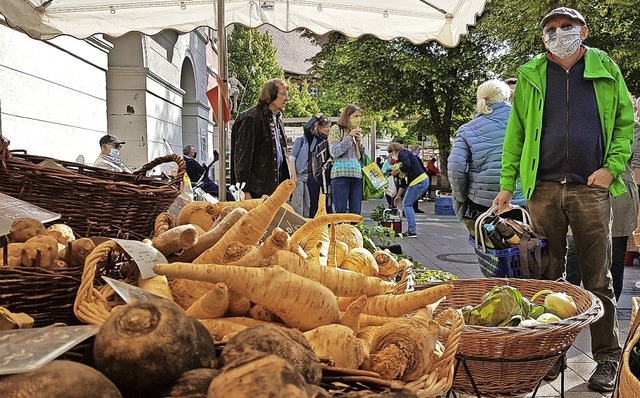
627 384
46 295
95 299
437 382
511 361
92 201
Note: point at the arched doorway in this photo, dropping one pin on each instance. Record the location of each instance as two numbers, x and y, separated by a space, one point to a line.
190 135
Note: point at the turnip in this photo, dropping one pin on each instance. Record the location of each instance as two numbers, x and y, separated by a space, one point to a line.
59 379
289 344
144 347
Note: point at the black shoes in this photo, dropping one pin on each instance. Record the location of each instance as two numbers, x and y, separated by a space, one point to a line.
555 370
408 234
419 211
604 377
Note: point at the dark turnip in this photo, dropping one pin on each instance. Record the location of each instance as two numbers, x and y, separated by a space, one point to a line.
258 374
59 379
144 347
287 343
192 384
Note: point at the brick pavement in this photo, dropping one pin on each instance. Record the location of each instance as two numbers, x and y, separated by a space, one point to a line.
442 244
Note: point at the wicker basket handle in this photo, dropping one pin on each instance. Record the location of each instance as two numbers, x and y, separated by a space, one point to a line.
177 180
5 154
451 345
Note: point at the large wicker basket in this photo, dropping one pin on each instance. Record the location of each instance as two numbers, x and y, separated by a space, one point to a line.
511 361
92 201
47 295
435 383
627 384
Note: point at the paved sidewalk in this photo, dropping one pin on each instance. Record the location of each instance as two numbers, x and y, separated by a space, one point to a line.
442 244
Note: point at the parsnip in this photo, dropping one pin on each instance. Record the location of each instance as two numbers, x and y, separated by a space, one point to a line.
339 343
298 301
341 282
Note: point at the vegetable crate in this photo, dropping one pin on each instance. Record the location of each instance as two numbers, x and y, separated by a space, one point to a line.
500 263
92 201
511 361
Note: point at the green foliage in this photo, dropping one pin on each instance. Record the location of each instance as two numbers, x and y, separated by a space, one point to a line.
301 103
252 57
612 27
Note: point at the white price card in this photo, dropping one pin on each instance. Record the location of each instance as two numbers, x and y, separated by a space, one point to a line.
12 209
23 350
144 255
129 293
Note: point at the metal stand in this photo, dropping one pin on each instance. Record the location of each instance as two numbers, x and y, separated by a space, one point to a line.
462 359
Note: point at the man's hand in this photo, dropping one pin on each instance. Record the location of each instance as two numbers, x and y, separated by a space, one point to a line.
601 178
396 172
503 201
397 202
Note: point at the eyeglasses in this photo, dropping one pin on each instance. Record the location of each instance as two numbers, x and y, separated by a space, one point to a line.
117 146
565 28
284 93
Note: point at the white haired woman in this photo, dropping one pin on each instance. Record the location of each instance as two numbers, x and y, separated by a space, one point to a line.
475 160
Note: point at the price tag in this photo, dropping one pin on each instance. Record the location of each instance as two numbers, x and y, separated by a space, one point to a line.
131 294
144 255
12 209
24 350
286 220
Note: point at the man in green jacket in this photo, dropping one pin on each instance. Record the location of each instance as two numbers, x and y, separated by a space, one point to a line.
568 139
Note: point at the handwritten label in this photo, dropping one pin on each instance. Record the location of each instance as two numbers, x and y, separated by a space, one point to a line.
12 209
144 255
131 294
286 220
24 350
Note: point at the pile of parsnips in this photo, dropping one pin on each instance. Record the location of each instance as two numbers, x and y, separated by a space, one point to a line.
319 280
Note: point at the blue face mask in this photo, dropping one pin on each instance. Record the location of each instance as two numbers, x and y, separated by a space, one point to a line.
114 153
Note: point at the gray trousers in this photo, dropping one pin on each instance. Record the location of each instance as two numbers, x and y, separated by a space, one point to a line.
587 209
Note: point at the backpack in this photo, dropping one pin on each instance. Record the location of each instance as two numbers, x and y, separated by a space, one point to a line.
321 162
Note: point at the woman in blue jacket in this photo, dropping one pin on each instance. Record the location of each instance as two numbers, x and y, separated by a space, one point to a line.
475 160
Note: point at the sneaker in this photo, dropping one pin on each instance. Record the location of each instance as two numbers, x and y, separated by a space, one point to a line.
555 370
408 234
604 377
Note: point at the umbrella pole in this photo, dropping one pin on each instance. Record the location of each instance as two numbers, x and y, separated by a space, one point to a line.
222 72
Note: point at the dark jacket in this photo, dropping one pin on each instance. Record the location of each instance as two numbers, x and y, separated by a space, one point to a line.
195 170
253 152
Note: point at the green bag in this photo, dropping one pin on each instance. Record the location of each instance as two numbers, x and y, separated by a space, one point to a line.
369 190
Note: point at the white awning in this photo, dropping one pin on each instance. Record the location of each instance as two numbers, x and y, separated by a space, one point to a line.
416 20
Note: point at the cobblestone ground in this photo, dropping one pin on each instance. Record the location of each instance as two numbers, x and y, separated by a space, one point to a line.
442 244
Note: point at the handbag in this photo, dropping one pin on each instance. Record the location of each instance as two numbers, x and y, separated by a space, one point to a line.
505 233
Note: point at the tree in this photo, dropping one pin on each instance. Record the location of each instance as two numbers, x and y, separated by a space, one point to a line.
252 57
612 27
398 79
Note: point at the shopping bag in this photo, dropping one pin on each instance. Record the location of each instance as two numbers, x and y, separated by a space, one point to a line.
500 234
391 188
375 176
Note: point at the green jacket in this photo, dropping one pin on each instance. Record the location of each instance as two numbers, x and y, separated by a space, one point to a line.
522 139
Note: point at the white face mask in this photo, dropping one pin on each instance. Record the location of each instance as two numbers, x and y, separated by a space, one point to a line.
563 42
114 153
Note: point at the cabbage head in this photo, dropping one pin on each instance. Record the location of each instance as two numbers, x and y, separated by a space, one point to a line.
498 307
